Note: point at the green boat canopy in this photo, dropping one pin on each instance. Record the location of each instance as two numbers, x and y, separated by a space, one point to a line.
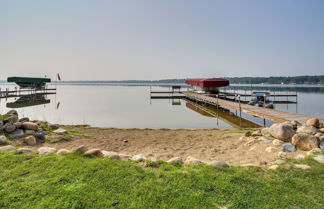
29 82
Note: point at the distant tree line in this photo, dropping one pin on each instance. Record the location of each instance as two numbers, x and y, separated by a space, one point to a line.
278 80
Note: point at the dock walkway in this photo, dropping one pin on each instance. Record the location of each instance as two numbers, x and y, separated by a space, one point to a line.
269 114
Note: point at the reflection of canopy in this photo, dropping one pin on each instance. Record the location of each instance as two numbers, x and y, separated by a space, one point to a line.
222 114
29 100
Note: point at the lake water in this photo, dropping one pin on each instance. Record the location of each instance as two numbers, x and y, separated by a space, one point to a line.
131 107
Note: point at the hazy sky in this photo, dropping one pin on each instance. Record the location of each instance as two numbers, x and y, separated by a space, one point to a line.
153 39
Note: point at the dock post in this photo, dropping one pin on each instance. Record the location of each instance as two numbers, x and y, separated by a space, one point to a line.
239 97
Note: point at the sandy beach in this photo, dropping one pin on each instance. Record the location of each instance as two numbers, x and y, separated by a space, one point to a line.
225 145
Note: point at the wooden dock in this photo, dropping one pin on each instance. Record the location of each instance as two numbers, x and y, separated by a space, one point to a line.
21 92
269 114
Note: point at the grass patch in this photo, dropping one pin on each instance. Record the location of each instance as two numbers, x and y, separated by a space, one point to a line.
79 133
3 117
76 181
56 139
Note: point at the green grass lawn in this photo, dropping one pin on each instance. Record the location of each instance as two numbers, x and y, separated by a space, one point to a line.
77 181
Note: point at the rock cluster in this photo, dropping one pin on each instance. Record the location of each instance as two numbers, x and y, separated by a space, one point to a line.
23 131
293 136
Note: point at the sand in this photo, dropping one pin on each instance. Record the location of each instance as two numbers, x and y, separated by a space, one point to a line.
225 145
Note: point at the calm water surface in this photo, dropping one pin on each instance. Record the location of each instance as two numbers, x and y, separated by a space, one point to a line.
131 107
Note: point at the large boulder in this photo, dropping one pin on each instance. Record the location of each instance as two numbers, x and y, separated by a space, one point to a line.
3 140
46 150
9 128
7 148
288 147
80 149
139 158
25 119
11 119
12 112
63 151
30 126
305 142
265 132
313 122
18 133
60 131
322 130
30 140
281 131
94 152
307 130
192 161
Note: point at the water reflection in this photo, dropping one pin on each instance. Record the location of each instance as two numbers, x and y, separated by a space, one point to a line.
29 100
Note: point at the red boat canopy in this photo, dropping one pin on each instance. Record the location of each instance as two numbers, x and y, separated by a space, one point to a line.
210 82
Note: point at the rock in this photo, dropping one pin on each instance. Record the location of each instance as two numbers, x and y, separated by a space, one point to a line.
175 160
12 119
305 142
273 167
30 140
321 145
248 133
54 126
265 140
280 161
124 157
295 124
25 119
318 135
265 132
307 130
256 133
40 136
46 150
315 151
30 126
7 148
282 154
12 112
9 128
288 147
271 149
1 124
30 132
60 131
112 155
192 161
218 164
301 166
321 138
80 149
139 158
300 157
94 152
319 158
277 142
281 131
24 150
322 130
3 140
63 152
18 124
18 133
313 122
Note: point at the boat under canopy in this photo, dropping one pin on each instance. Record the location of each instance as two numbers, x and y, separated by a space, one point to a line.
207 85
30 82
